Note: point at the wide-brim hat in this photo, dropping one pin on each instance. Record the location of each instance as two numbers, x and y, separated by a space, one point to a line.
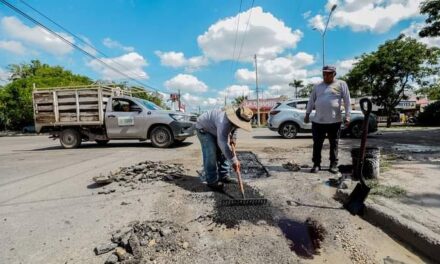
241 117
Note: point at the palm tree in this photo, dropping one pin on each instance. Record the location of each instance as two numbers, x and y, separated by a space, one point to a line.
238 100
297 84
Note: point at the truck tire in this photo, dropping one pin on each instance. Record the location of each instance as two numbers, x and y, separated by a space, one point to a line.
102 142
70 138
289 130
356 130
161 137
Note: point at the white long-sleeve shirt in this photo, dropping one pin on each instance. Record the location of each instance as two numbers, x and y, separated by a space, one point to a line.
327 100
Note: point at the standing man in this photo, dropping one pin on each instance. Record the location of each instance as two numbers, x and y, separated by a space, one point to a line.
326 98
217 132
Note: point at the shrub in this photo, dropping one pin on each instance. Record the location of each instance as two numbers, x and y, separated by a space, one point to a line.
431 115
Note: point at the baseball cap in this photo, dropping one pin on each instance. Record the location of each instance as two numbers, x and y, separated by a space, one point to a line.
329 68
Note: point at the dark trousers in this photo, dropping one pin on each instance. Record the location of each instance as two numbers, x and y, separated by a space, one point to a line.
319 131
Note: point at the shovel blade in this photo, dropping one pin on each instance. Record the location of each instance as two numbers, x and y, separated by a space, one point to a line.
355 203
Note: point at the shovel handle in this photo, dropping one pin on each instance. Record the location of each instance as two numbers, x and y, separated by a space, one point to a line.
366 111
240 182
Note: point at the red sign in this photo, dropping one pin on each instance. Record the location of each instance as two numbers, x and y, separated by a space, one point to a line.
265 104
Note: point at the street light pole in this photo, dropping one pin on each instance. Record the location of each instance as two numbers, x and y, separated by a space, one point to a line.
323 34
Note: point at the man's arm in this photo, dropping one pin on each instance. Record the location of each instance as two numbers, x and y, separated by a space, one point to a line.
223 134
310 105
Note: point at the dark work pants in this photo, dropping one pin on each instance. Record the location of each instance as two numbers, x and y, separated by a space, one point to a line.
319 131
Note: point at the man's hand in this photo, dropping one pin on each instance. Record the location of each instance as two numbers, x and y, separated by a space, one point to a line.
233 144
307 119
236 166
347 121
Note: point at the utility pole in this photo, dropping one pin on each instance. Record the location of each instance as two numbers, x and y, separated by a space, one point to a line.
256 86
323 33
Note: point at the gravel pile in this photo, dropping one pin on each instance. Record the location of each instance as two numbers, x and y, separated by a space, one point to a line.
131 177
146 241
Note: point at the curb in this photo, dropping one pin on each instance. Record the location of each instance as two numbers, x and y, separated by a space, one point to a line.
417 236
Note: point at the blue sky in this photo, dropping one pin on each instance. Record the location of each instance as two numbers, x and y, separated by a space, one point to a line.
205 47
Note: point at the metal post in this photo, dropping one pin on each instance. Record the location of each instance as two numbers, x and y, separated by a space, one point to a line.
256 86
323 34
178 98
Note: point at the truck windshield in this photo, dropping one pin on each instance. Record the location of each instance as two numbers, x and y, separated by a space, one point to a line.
149 105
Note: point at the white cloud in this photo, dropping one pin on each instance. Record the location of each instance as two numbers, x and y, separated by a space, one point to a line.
307 14
235 91
13 46
413 32
344 66
177 59
113 44
4 76
36 36
266 36
90 48
186 83
278 71
368 15
130 64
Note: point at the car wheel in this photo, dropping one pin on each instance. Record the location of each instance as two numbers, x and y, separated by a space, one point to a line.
102 142
289 130
70 138
356 130
161 137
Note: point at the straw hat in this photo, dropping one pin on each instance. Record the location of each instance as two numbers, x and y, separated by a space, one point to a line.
240 117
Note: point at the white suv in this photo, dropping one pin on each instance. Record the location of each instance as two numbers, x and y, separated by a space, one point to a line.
287 118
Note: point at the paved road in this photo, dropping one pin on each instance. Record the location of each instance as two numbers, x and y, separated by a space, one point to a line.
50 212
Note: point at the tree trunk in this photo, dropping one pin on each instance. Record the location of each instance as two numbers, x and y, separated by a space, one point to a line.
389 119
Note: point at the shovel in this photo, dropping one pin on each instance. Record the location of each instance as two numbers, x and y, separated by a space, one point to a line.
355 203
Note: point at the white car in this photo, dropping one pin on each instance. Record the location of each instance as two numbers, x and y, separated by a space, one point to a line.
287 118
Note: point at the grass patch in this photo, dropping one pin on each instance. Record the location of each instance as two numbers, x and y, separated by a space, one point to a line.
386 162
388 191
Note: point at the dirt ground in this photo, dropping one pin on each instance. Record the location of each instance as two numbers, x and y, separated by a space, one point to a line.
51 211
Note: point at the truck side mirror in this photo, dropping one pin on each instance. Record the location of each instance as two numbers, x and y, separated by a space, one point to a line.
136 108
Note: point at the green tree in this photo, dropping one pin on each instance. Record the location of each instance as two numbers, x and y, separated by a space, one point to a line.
431 8
238 100
16 96
147 95
296 84
306 91
391 70
432 91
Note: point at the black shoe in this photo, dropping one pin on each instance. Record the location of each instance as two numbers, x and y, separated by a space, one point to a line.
333 168
228 179
315 169
217 186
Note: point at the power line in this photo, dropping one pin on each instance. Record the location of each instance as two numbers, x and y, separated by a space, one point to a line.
72 44
246 31
79 38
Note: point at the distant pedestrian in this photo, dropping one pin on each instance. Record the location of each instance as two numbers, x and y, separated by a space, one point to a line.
217 132
326 98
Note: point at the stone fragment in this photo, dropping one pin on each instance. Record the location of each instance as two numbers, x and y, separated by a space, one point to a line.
185 245
104 248
121 253
112 259
291 166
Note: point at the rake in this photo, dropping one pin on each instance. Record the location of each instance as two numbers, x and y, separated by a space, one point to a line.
243 201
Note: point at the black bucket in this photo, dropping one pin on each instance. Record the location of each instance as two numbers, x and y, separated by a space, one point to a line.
371 168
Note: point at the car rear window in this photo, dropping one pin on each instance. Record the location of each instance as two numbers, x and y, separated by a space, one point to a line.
292 104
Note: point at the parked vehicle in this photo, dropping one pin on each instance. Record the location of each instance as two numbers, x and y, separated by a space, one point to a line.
287 118
95 113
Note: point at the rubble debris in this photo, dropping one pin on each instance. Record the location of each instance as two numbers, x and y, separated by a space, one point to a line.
291 166
145 241
112 259
251 167
104 248
130 178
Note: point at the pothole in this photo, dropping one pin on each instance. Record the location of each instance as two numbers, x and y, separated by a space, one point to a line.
305 238
251 167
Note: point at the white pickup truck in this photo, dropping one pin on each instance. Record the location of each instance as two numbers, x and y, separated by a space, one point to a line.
101 114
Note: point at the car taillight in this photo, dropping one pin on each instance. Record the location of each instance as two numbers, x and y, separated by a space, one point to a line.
274 112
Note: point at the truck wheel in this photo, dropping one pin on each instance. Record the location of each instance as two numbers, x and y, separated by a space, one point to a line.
102 142
356 130
289 130
161 137
70 138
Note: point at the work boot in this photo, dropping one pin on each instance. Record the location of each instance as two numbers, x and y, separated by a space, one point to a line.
217 186
315 168
333 168
228 179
